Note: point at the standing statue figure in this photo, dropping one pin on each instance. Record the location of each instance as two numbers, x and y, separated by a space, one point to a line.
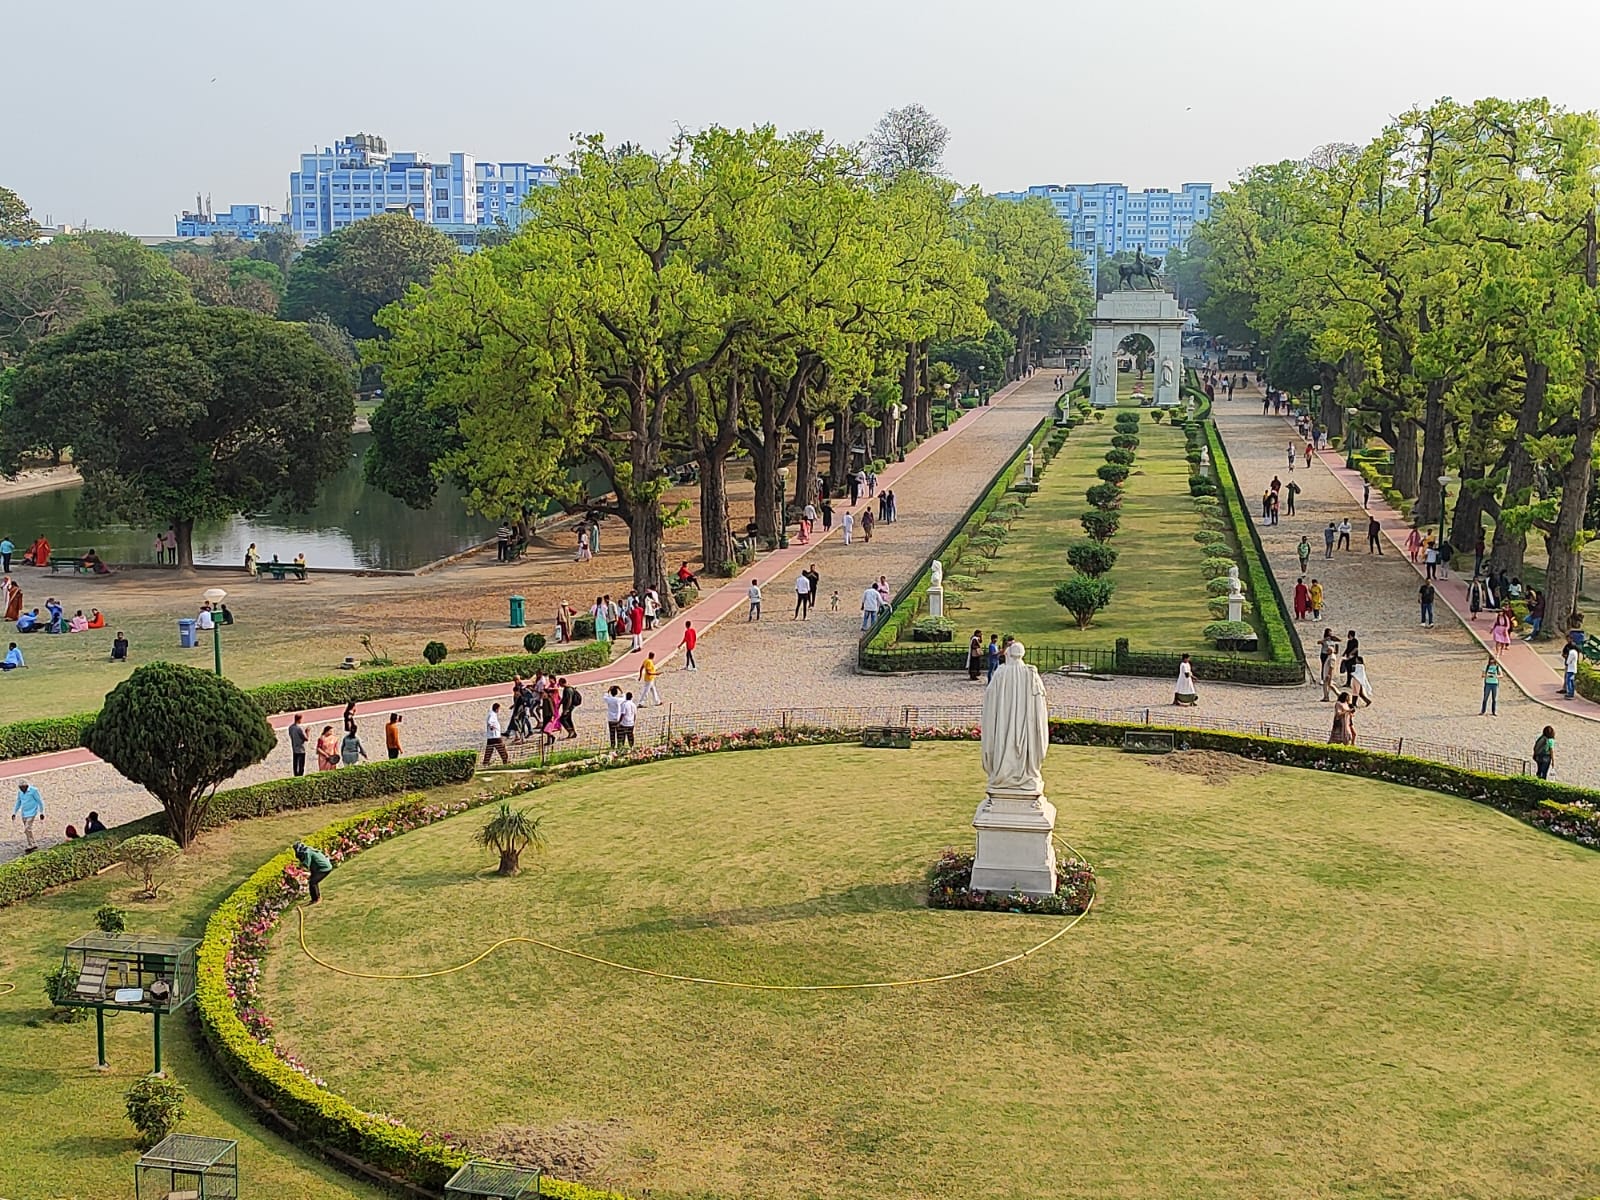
1102 371
1027 466
1016 728
938 573
1166 372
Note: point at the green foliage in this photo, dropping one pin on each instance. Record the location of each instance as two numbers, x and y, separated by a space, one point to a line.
986 545
1218 586
156 1107
178 733
508 833
135 273
992 529
533 642
181 413
1215 565
435 653
1229 631
60 983
954 598
108 918
354 272
1091 558
1125 441
1099 525
1207 502
1217 606
1083 596
966 583
1202 485
1104 496
145 856
16 219
1121 457
932 629
410 438
1112 472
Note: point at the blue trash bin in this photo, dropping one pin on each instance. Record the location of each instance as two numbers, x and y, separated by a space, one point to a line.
186 637
518 615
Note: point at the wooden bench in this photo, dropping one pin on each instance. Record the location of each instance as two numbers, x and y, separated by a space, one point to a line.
280 570
57 561
1590 650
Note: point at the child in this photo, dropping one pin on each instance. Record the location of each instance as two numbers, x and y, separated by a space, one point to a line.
833 603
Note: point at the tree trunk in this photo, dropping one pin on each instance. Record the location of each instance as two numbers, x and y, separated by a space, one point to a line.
185 817
842 435
184 531
648 549
1331 415
1507 552
510 861
765 457
1405 457
924 394
1467 521
1563 541
1430 506
805 459
716 538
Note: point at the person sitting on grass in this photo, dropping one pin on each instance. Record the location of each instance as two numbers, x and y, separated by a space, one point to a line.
13 659
79 622
93 562
93 825
28 622
119 647
686 576
224 615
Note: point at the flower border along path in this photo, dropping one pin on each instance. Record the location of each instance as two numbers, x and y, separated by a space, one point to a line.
287 1093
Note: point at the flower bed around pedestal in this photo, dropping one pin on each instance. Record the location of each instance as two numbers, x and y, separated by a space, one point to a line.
951 874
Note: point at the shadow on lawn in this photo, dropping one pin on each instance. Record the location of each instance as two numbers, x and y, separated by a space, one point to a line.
863 898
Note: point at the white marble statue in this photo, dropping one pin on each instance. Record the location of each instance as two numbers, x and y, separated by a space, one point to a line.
1027 466
1166 372
1016 727
1234 588
938 574
1102 371
1205 456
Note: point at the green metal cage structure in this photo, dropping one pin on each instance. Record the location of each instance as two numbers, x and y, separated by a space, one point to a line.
184 1167
480 1180
129 973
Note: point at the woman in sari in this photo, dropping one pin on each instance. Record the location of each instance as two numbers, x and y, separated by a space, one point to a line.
327 750
564 613
550 712
602 628
1344 721
14 603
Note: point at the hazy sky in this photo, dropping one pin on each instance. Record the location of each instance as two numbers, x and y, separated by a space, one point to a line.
119 111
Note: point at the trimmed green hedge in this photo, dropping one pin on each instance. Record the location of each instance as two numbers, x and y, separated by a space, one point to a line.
22 738
26 877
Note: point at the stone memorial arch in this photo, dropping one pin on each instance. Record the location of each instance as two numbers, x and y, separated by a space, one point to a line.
1137 310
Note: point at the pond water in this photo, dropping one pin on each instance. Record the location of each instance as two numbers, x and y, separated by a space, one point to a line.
354 525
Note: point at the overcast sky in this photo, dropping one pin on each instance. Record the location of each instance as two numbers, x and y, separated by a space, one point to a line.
119 111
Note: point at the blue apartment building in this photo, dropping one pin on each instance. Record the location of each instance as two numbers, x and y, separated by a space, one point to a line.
246 221
1107 218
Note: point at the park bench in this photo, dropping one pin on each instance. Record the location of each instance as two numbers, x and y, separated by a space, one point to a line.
280 570
57 561
886 737
515 549
1591 650
1147 742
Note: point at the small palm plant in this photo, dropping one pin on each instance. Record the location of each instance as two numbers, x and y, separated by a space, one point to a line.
510 833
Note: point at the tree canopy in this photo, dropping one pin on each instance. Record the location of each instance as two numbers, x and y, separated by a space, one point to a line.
16 220
354 272
180 413
909 138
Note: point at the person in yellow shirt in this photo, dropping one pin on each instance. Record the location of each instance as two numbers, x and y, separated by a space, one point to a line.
1316 600
648 670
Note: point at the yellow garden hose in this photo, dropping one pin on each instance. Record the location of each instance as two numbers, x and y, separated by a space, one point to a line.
667 975
7 988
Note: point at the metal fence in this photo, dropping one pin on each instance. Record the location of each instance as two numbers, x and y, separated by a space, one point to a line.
658 725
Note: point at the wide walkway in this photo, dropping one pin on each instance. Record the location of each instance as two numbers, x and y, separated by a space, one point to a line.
744 665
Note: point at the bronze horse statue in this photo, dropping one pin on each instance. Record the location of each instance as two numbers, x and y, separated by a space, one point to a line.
1148 269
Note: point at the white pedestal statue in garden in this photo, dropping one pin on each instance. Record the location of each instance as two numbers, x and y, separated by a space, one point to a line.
1235 596
936 591
1015 821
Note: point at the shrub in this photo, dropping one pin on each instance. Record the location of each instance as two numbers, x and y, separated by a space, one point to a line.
1106 496
1205 536
108 918
1112 472
435 652
1207 502
1218 605
1128 417
1125 441
533 642
932 629
986 545
992 529
1192 457
965 583
22 738
60 983
583 627
1083 596
1091 558
1215 565
1229 631
144 855
1157 415
1219 586
207 732
1101 526
156 1108
1024 487
1121 457
1201 485
509 832
954 598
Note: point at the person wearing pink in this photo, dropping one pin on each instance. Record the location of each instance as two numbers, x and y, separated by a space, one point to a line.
1414 543
1500 635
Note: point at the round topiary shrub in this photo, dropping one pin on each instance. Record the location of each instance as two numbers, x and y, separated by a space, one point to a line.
533 643
1083 596
992 529
1112 472
583 627
933 629
1091 558
1218 605
1219 585
954 598
986 545
435 652
1216 549
1205 536
1203 502
155 1106
1212 523
1214 565
1105 496
1192 458
1100 525
1200 485
1124 457
1231 635
1125 441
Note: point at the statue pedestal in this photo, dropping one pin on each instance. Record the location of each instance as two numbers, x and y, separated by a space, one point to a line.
936 600
1014 848
1235 608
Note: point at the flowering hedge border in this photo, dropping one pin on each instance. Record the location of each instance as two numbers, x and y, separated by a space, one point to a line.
380 1146
26 877
950 880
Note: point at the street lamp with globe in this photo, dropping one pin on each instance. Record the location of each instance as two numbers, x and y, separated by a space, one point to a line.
215 596
1351 441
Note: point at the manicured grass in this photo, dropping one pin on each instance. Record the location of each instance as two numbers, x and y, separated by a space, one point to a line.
1160 598
1293 984
66 1132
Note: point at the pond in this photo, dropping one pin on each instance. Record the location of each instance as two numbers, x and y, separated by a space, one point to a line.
354 525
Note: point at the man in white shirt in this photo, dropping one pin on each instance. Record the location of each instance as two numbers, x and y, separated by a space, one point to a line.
871 604
1569 663
205 620
755 601
492 738
802 595
652 605
627 717
847 525
613 713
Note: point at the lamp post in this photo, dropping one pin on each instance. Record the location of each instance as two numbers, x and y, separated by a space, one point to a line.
1350 438
215 596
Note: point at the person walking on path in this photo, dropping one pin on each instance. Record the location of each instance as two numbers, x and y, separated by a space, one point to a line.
1491 689
1425 597
635 619
647 676
1291 456
827 514
1430 559
349 720
1544 751
1360 689
297 744
7 549
391 735
613 701
493 739
1302 599
687 642
317 865
847 525
991 658
1477 554
1316 600
1184 694
1291 492
1352 647
1273 518
627 720
894 512
1374 536
1344 722
30 807
802 596
1569 666
1500 635
1344 534
1303 551
1328 535
1475 591
867 523
974 654
571 697
1309 448
351 751
1366 494
814 577
1414 543
755 601
327 750
871 605
1329 649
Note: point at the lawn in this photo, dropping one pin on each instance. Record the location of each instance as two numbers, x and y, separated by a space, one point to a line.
1160 598
1293 984
66 1133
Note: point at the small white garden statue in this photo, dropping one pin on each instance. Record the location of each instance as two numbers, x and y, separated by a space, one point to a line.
1235 596
1027 466
936 590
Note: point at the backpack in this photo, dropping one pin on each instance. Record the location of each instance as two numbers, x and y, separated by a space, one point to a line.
577 698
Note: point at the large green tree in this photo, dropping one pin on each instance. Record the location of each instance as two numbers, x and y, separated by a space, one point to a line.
16 220
179 733
134 272
182 413
352 273
46 289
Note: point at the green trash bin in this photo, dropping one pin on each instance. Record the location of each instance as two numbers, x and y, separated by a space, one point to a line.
517 620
